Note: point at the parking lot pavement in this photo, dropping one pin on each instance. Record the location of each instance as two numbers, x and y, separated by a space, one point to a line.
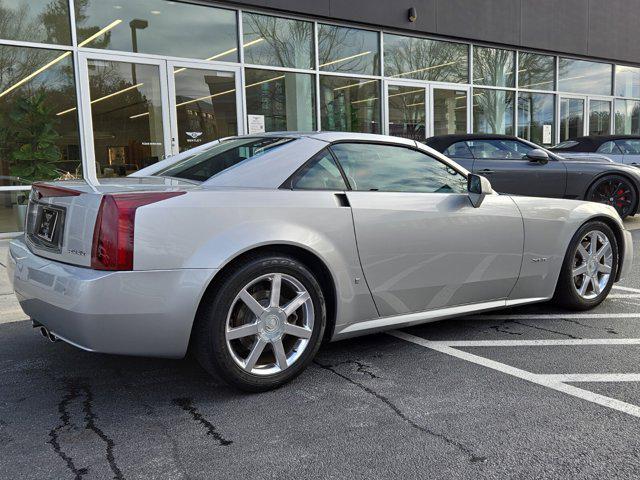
532 392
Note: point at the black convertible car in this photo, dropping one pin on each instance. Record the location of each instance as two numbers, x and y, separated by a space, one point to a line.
619 148
516 166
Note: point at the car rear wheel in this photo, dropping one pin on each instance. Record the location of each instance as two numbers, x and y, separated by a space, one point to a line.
614 190
263 325
589 267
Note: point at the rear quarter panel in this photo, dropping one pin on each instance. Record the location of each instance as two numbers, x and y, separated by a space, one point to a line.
209 228
549 225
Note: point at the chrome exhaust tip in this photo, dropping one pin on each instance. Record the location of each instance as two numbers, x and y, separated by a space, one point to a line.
48 335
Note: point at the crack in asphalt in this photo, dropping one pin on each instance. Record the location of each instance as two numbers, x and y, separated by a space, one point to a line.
361 367
76 390
546 330
395 409
576 322
187 405
498 328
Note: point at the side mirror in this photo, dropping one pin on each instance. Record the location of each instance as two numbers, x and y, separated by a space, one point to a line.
478 188
538 155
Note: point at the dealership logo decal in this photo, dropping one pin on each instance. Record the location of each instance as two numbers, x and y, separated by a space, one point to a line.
195 137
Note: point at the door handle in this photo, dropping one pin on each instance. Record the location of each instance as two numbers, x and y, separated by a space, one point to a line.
486 171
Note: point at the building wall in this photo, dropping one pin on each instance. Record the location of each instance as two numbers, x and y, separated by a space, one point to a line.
606 29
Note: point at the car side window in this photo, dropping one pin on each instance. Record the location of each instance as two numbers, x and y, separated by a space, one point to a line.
320 173
609 147
389 168
458 150
629 147
499 149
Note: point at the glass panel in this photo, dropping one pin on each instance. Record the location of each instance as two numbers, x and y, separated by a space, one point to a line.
43 21
279 42
493 111
205 106
458 150
157 26
629 147
579 76
13 210
449 111
493 66
535 117
349 50
627 81
627 117
571 118
599 117
537 72
212 161
407 112
287 101
350 104
609 147
322 173
424 59
396 169
38 118
127 116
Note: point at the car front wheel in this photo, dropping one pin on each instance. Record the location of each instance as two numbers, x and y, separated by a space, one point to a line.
616 191
589 267
263 325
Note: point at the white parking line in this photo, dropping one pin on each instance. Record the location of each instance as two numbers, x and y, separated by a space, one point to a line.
623 295
545 316
537 343
595 377
543 380
626 289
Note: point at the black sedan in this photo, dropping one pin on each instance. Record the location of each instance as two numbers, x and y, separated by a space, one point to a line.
619 148
516 166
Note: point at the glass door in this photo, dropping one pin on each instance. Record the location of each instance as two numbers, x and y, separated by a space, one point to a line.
600 118
204 103
407 110
124 113
572 124
449 110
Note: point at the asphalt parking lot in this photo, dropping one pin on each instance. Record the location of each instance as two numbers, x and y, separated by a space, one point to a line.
523 393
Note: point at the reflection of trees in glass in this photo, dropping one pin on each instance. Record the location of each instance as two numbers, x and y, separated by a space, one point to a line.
407 113
83 32
493 66
627 117
51 25
536 71
336 43
287 43
353 109
493 111
423 59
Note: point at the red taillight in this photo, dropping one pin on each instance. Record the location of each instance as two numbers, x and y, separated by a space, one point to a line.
113 234
42 190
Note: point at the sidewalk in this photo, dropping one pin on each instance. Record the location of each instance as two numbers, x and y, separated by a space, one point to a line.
10 310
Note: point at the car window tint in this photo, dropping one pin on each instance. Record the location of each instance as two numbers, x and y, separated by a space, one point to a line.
458 150
564 145
204 165
320 173
629 147
396 169
609 147
499 149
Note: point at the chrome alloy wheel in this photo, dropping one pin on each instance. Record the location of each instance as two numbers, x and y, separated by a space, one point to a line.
592 264
269 324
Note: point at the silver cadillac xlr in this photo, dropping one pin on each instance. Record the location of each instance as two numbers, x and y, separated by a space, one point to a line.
254 250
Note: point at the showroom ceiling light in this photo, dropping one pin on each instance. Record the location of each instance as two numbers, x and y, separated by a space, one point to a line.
365 100
222 54
359 84
117 93
100 32
351 57
424 69
204 98
419 90
264 81
34 74
140 115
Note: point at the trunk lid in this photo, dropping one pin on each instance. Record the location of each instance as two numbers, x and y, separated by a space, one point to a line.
61 215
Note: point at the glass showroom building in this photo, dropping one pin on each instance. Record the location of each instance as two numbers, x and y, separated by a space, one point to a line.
102 88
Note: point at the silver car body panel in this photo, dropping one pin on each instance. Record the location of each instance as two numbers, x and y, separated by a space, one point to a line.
424 256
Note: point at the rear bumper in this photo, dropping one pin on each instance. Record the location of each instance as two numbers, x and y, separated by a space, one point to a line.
627 256
148 313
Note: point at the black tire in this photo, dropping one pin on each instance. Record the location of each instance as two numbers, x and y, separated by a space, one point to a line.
213 351
566 293
617 191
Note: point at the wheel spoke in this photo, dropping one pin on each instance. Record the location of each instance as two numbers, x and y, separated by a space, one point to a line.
281 356
583 252
243 331
296 303
253 357
596 286
297 331
603 250
276 283
604 268
584 286
581 270
593 243
251 302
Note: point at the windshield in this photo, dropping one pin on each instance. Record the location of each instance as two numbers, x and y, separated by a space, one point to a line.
226 154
